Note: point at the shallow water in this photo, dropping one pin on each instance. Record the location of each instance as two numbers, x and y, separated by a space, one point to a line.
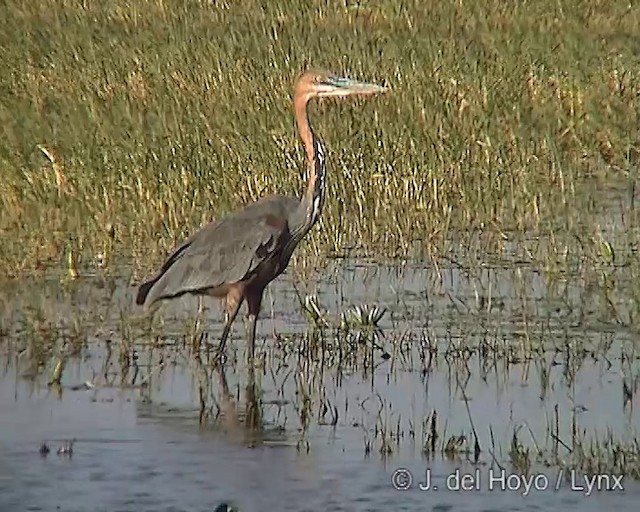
139 445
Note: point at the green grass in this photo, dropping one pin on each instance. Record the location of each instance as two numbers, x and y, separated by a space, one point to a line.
506 117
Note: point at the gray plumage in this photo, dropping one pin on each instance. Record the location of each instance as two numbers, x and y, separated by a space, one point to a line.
222 253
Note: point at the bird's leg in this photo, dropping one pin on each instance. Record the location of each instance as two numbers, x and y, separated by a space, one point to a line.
254 301
198 334
231 311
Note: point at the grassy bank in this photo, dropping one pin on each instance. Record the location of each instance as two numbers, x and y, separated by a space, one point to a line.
125 125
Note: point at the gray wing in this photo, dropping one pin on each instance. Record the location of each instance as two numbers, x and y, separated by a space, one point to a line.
226 251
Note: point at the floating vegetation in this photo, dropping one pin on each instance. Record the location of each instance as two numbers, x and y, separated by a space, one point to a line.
362 317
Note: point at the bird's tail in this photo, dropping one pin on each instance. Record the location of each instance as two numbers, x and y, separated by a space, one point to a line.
143 291
146 288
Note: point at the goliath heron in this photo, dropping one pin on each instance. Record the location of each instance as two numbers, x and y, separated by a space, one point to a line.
236 257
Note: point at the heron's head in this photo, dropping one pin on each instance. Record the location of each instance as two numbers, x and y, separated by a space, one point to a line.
319 84
225 507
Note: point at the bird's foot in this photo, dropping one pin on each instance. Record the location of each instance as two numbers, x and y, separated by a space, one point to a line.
219 358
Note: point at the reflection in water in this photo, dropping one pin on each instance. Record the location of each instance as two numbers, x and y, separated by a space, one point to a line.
323 420
229 415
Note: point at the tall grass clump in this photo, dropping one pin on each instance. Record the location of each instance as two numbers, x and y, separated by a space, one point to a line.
126 125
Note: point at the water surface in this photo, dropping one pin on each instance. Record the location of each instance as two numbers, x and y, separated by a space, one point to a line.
332 432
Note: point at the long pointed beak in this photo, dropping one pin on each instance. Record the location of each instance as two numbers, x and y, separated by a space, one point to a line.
342 86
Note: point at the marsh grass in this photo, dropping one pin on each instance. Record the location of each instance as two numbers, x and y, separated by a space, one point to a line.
127 125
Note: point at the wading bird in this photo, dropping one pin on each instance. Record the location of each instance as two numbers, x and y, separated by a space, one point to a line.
236 257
